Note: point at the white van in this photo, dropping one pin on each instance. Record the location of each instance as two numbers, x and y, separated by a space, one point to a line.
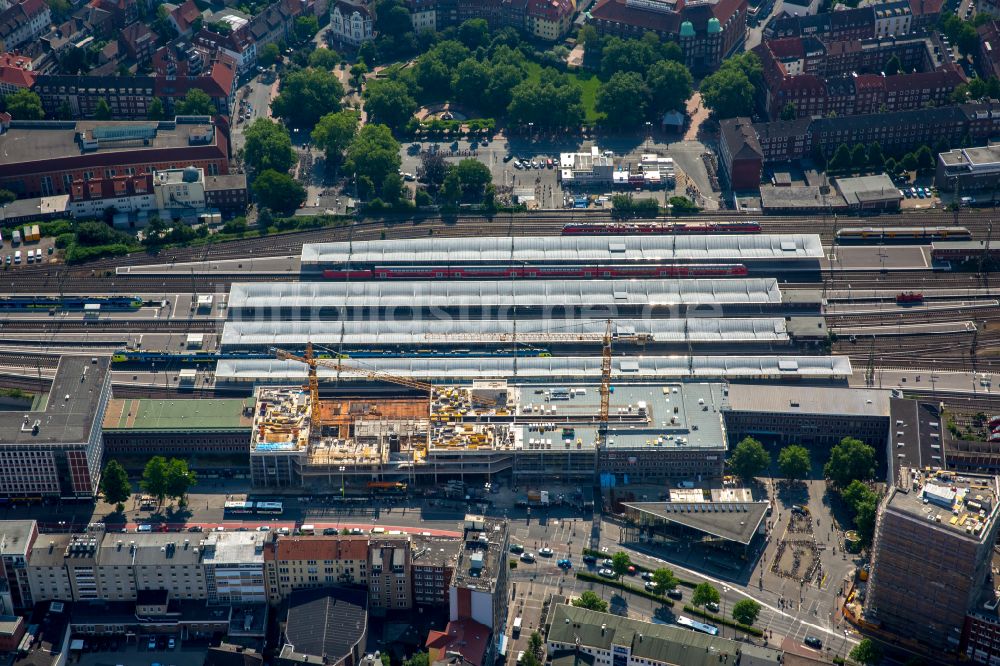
308 530
17 257
516 630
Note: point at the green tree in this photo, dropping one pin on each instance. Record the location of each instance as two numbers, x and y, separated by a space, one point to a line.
620 563
623 100
794 463
535 643
451 188
704 594
891 166
6 197
749 458
154 478
864 520
269 55
893 66
334 133
196 103
669 85
789 112
267 145
471 79
179 479
553 101
115 485
841 160
324 58
925 160
876 159
591 601
859 157
682 205
418 659
909 162
306 27
278 191
373 153
867 652
389 102
746 611
856 494
306 96
432 170
664 579
850 460
358 72
728 93
24 105
627 55
155 110
393 190
103 110
474 33
474 176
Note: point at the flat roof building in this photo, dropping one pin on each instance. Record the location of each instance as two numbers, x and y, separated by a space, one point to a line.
734 526
59 440
869 193
586 168
621 640
478 589
968 170
17 538
938 529
807 414
134 426
44 158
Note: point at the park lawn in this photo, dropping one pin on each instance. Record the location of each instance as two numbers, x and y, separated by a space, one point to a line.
588 83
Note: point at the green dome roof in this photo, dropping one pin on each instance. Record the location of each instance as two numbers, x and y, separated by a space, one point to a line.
687 30
714 26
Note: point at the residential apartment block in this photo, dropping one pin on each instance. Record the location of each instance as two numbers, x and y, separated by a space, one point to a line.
234 567
17 538
351 22
22 23
707 32
550 20
478 590
847 78
740 157
304 562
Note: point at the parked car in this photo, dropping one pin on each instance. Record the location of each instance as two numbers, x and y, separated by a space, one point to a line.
607 573
647 575
527 557
546 552
516 548
329 531
712 606
650 587
564 564
606 562
813 642
674 593
589 559
171 644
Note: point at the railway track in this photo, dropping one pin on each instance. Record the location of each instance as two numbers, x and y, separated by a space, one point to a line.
104 325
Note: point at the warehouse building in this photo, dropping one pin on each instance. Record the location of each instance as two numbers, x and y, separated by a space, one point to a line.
778 250
55 450
816 415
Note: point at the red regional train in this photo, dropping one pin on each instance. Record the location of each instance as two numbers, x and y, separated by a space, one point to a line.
540 272
624 228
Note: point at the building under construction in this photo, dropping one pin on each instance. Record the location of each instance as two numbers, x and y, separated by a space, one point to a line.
473 432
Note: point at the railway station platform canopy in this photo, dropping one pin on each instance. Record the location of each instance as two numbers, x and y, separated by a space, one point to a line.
532 369
731 525
476 294
262 335
518 250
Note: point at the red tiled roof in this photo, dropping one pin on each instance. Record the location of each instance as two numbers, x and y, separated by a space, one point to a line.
787 47
869 81
109 188
186 14
352 547
921 7
467 637
615 11
15 70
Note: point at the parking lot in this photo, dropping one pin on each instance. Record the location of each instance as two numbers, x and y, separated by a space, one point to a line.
137 653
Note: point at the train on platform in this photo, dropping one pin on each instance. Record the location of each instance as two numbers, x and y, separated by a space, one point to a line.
625 228
539 272
71 303
143 357
901 234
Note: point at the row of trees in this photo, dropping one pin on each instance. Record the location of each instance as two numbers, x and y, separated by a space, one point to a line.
850 460
161 478
24 104
848 160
